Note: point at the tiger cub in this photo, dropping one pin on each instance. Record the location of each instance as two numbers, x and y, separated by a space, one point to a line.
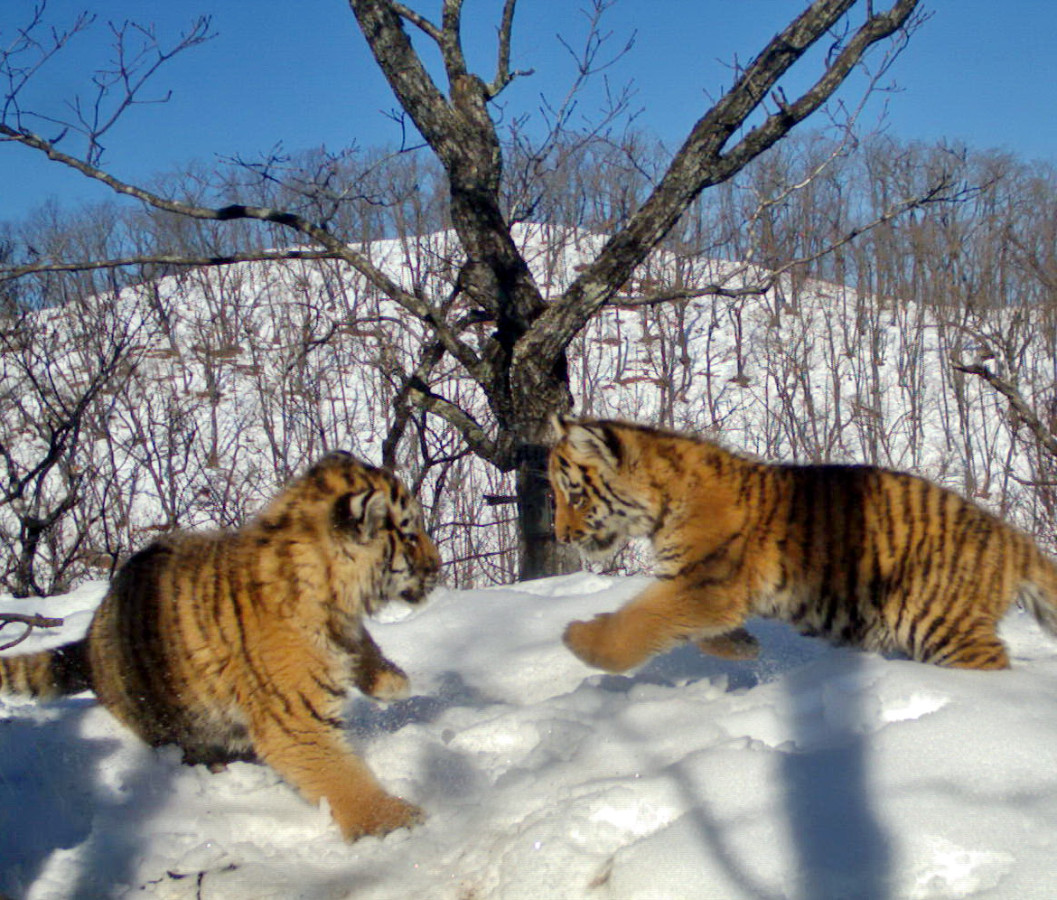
857 554
242 644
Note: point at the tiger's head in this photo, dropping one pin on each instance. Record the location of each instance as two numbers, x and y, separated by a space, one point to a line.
372 520
597 504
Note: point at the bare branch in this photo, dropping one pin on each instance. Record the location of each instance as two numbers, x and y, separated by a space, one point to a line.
503 75
1016 400
419 21
413 390
380 22
674 295
430 355
417 306
877 27
700 162
471 430
462 135
137 57
17 74
588 64
451 42
35 620
8 273
131 72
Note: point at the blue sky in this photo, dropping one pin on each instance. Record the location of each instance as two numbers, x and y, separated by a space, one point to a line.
299 74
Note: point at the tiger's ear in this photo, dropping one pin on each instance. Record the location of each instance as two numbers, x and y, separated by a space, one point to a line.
363 513
594 442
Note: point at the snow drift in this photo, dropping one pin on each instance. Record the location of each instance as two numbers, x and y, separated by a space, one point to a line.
812 772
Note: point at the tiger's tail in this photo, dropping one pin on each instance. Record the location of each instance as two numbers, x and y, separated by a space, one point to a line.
47 673
1038 592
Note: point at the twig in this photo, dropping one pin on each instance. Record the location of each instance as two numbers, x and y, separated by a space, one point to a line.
35 620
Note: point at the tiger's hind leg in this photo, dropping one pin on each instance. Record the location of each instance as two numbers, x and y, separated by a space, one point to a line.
975 647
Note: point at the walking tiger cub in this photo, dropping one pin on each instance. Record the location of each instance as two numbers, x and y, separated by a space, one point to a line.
244 643
857 554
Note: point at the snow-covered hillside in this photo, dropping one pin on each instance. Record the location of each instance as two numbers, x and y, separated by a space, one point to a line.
811 773
233 380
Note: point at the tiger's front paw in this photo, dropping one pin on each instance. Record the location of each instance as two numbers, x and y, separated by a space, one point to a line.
600 644
390 684
379 815
383 679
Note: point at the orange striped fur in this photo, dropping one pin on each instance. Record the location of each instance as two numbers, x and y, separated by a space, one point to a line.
857 554
243 644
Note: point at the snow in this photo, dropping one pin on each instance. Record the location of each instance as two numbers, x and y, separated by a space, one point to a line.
812 772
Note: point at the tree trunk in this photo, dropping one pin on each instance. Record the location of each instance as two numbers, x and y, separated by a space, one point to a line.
24 579
540 553
537 392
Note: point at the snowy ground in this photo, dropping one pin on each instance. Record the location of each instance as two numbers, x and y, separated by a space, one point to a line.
810 773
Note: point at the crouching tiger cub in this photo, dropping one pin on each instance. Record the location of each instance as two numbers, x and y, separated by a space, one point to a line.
243 643
861 555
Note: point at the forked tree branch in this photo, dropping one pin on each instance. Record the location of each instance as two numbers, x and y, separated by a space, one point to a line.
1007 389
414 389
18 74
475 435
503 75
132 72
35 620
461 133
701 161
451 40
418 20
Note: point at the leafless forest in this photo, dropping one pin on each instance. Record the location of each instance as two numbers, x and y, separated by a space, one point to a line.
134 404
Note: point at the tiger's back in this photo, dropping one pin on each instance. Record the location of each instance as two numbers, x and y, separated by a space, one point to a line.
857 554
890 561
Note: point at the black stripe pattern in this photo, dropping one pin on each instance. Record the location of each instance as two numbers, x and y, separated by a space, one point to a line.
857 554
245 643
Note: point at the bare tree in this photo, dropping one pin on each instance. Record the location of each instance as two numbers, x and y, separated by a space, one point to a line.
521 365
55 384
